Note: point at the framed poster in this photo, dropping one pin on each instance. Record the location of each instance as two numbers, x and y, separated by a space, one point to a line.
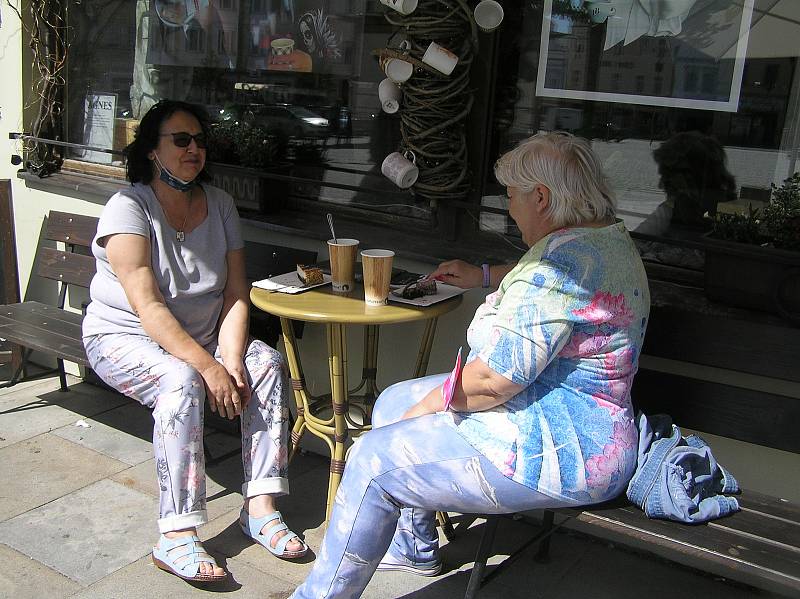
99 110
682 53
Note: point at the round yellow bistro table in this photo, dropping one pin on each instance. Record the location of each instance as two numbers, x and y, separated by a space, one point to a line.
329 417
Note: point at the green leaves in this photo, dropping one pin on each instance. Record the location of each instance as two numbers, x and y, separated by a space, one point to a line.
782 214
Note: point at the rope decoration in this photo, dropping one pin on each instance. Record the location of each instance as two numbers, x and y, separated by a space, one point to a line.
435 106
48 42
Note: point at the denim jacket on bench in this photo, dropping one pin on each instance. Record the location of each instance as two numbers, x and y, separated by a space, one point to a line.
678 478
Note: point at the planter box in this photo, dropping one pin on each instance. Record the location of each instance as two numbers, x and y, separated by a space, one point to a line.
755 277
253 189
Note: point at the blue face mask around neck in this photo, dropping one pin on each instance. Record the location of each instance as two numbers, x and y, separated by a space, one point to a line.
170 179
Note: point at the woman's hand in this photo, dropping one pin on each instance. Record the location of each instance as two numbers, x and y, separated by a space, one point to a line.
430 404
222 391
239 376
458 273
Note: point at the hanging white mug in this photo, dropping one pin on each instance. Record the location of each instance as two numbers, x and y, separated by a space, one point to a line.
600 11
389 94
488 15
440 58
397 69
404 7
400 170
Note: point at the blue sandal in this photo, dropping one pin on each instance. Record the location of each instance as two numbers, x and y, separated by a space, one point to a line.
252 528
182 557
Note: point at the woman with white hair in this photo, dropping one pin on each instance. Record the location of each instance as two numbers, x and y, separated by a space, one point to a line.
540 416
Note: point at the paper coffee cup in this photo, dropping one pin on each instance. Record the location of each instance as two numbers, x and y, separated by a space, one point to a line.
398 70
440 58
389 94
282 46
488 15
400 170
377 268
404 7
342 254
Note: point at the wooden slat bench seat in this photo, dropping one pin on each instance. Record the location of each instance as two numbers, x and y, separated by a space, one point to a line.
44 328
54 330
758 546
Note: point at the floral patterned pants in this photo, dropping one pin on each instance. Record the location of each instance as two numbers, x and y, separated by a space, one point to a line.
138 367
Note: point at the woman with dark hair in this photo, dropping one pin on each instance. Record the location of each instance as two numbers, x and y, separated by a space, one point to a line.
168 326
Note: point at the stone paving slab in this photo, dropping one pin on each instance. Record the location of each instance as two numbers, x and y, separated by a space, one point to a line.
40 408
88 534
24 578
123 433
141 477
44 468
142 580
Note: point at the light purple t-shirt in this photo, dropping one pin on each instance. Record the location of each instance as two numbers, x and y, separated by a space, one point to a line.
191 275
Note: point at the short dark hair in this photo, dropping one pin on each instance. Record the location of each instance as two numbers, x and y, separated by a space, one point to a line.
139 167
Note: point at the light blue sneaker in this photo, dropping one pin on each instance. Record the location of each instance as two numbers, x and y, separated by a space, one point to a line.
389 563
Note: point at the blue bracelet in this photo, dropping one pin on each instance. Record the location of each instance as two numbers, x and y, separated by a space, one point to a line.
487 279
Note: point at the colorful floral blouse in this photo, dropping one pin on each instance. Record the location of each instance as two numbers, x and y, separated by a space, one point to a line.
568 323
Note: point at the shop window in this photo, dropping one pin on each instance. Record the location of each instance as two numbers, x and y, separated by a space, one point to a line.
645 87
300 73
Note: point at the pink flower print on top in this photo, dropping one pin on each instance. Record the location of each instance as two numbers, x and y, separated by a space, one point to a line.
510 464
606 308
619 369
602 467
583 345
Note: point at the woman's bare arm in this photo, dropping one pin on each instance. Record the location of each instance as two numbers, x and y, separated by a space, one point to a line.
129 256
480 388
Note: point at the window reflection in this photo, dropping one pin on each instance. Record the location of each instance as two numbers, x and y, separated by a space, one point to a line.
298 73
758 140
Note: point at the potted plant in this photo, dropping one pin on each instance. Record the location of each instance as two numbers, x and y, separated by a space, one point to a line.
753 259
246 160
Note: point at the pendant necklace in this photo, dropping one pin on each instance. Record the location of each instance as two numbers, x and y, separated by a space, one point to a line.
179 234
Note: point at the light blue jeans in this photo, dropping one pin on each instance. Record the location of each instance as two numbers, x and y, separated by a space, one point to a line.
397 477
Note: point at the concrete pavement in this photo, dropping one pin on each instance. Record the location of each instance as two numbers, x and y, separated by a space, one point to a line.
78 503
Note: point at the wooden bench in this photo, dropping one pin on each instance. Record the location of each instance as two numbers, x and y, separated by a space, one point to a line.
51 329
758 546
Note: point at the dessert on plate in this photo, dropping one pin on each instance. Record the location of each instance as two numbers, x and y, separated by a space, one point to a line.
309 275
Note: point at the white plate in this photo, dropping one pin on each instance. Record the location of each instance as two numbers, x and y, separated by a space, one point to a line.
288 283
443 292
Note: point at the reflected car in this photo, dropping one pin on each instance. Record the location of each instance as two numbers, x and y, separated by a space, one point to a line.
295 121
292 121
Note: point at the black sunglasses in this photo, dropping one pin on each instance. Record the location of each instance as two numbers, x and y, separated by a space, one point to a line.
183 139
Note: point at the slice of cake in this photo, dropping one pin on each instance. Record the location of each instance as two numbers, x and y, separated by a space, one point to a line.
309 275
419 289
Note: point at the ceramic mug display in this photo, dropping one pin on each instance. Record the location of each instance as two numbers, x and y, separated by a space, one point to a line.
397 70
389 94
488 15
440 58
401 169
600 11
404 7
